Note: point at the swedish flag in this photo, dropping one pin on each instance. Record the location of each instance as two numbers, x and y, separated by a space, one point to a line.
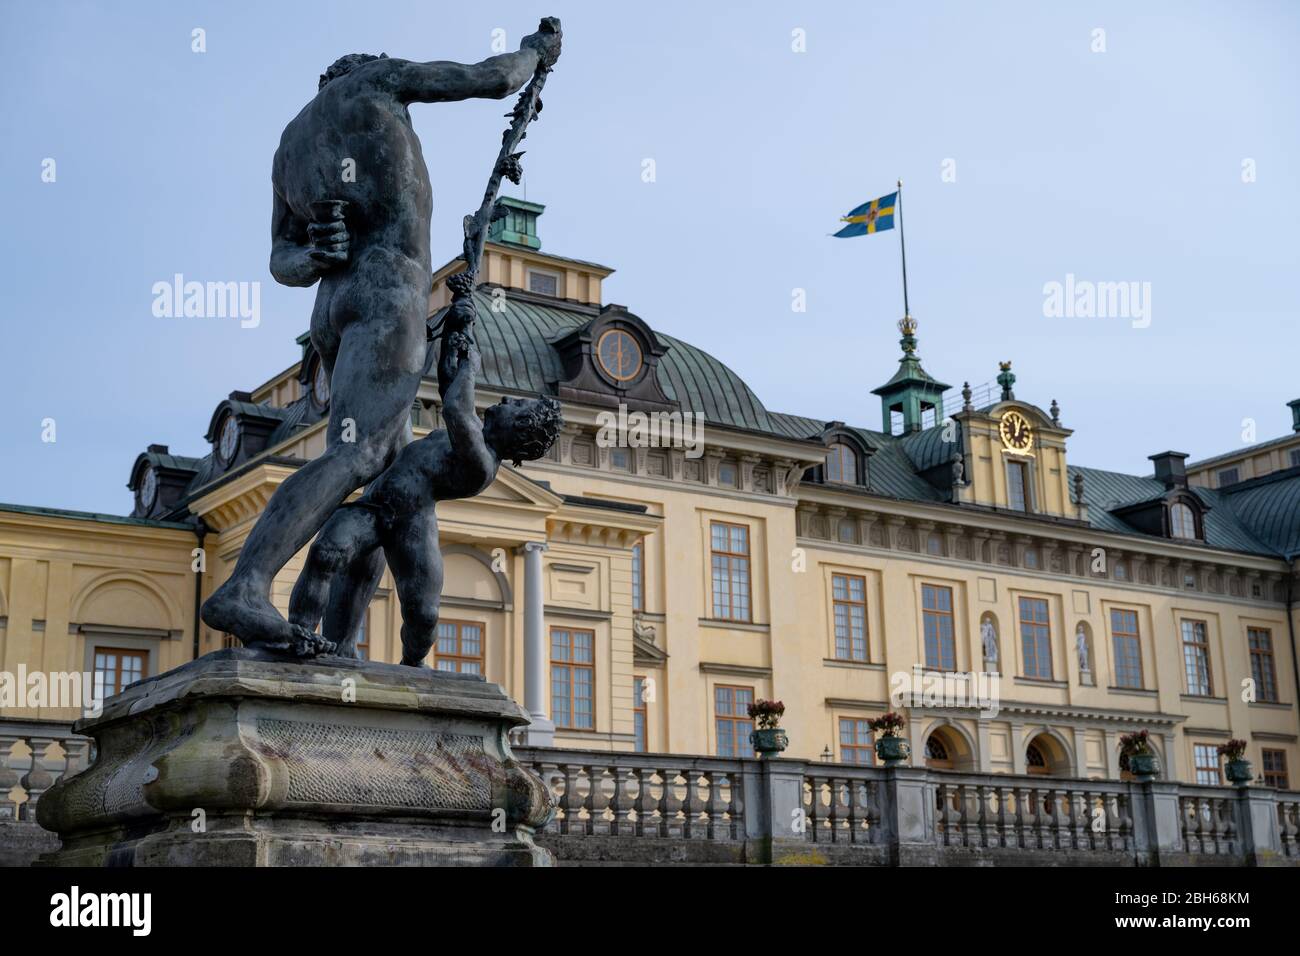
874 216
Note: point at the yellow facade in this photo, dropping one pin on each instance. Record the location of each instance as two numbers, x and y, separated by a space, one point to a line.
71 583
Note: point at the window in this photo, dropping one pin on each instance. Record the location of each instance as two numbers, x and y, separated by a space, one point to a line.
1034 759
841 464
855 742
1196 659
730 544
1018 485
1262 664
573 678
847 532
936 614
727 474
1228 476
1207 764
849 610
639 713
459 647
1031 558
937 755
1036 638
1128 648
543 283
731 720
1275 775
1295 463
934 545
1182 524
638 576
363 637
116 668
1121 571
619 460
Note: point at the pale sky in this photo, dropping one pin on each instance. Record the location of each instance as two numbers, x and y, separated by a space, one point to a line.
1119 165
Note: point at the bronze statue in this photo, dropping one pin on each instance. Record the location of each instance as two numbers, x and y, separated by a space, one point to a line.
351 208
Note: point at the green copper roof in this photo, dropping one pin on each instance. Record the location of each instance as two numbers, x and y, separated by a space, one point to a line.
517 355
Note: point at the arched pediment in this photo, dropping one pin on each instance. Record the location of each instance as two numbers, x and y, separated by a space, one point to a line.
125 599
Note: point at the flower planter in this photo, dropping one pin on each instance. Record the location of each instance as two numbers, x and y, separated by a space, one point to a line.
1143 766
892 751
770 741
1238 771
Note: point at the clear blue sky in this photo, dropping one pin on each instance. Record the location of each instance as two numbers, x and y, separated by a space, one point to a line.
1122 165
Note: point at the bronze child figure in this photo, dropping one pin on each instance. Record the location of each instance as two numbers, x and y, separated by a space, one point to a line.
395 517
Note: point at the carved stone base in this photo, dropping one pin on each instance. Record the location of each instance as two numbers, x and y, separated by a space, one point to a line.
244 758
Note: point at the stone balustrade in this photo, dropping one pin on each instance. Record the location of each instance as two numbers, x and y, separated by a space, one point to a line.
33 755
662 808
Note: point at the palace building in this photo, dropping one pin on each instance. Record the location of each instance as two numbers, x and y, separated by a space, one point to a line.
637 591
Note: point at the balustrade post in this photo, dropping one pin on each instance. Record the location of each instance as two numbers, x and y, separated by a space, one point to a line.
1257 825
775 822
1157 821
907 815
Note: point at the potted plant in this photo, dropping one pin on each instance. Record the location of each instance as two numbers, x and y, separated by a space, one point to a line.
891 749
1137 756
768 737
1238 767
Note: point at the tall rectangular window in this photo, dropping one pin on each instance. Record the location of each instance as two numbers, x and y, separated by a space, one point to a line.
639 713
1207 764
855 742
849 611
730 565
1262 664
573 678
1196 659
936 615
731 720
363 637
1018 485
116 668
638 576
459 647
1128 648
1274 767
1036 638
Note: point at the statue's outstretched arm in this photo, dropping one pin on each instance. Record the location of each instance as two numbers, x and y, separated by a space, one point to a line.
494 78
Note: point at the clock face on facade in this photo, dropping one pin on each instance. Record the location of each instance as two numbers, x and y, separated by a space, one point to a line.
1017 434
320 386
229 439
148 489
619 355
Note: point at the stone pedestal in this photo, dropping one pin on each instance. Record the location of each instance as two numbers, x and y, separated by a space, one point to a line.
243 758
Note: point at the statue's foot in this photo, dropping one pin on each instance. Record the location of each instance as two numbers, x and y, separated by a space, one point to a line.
248 614
415 663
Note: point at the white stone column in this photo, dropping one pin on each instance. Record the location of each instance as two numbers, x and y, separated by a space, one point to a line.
541 732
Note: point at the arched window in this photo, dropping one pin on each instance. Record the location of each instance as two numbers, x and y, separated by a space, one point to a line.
1034 758
841 464
1182 524
936 753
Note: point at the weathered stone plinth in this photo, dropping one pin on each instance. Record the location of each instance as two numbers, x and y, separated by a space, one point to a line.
242 758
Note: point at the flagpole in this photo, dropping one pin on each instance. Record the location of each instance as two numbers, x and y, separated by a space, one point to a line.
902 244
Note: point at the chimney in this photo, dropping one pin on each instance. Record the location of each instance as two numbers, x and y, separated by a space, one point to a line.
157 449
1171 468
1295 414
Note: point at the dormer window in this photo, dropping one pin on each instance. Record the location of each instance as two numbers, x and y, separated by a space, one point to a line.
1182 523
228 442
543 283
841 464
619 355
147 490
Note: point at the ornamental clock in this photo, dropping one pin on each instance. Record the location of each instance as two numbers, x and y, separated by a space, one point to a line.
229 440
619 355
1016 432
147 490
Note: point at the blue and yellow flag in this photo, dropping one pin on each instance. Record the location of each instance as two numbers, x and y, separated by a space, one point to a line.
874 216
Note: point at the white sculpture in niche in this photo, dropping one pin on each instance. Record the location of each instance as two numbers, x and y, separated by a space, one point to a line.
989 638
1081 647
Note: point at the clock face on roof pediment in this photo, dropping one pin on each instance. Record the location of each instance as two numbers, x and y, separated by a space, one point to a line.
612 360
